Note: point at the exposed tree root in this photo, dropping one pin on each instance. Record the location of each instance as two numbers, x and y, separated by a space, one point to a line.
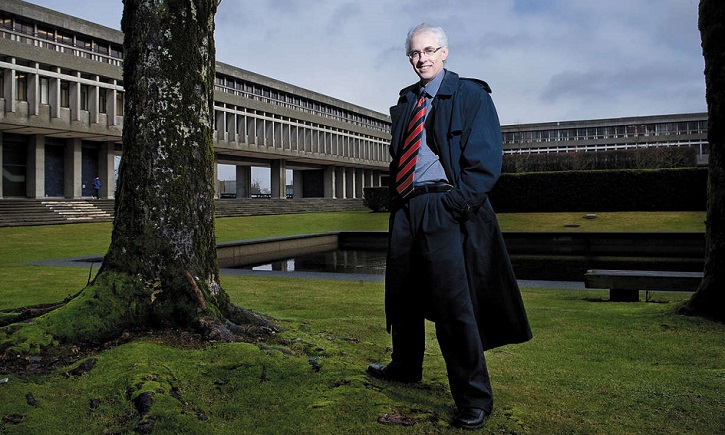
16 315
112 310
241 324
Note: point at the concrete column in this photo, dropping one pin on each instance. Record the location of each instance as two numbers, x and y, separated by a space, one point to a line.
221 125
73 168
340 182
34 91
106 159
35 176
54 95
328 186
74 100
242 127
111 95
10 88
231 127
268 134
365 178
289 136
350 183
360 182
278 178
297 184
244 181
377 179
93 102
216 177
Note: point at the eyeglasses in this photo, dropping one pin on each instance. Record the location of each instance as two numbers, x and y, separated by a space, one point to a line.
428 51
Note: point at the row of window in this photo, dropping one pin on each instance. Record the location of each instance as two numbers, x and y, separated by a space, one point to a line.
252 132
41 32
605 132
702 145
261 128
78 41
254 128
228 84
236 86
21 82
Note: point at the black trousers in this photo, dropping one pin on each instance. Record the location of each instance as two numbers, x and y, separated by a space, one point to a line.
427 269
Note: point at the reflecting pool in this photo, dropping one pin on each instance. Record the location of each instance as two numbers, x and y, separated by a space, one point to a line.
348 261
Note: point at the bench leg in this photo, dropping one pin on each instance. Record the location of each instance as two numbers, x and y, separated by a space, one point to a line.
621 295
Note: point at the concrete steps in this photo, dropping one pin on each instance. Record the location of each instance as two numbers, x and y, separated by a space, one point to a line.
267 206
78 210
24 212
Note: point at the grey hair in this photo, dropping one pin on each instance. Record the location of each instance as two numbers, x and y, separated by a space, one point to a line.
439 33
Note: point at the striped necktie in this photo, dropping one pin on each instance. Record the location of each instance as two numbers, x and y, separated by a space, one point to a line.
409 152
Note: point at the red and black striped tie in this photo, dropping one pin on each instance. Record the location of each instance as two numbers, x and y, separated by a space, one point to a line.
409 152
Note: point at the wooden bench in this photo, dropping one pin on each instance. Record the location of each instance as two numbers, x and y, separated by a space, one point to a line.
624 285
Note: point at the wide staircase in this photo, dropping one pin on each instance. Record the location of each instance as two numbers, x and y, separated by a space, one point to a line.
23 212
266 206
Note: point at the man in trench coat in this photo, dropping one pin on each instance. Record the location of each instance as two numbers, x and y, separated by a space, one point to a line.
447 261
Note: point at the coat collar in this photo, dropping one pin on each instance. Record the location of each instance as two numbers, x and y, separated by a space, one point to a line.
448 87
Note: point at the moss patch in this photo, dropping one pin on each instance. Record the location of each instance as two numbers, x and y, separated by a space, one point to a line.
102 311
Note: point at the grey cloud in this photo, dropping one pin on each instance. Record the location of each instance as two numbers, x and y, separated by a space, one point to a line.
544 59
646 80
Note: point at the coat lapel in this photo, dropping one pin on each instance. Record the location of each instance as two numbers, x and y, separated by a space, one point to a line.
400 116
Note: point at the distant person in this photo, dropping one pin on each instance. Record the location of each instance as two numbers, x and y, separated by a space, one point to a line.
97 188
446 260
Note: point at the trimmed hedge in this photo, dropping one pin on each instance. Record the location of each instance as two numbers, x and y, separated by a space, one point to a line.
376 198
682 189
635 158
623 190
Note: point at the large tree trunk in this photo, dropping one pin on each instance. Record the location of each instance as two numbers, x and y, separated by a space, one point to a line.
161 268
163 231
709 300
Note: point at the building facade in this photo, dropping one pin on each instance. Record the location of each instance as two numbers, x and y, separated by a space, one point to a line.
62 104
61 118
609 134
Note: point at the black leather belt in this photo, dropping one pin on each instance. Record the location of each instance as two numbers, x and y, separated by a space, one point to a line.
429 188
398 201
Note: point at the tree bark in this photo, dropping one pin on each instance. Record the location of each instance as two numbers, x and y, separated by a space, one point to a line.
163 231
709 300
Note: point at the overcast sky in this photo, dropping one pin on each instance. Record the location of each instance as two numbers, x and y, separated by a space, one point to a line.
546 60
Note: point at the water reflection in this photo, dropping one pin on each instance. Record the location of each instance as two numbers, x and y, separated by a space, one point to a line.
349 261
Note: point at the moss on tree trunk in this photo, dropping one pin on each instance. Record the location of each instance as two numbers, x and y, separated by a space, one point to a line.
709 300
164 227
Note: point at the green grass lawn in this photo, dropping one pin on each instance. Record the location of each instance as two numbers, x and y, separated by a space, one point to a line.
606 221
593 367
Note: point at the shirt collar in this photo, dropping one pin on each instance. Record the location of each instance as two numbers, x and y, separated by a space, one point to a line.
432 87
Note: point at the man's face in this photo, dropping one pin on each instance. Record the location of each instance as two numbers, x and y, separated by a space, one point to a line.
427 66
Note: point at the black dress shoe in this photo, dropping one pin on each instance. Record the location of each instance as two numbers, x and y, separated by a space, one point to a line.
470 418
393 373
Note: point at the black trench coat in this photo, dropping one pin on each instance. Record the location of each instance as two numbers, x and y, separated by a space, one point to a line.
463 129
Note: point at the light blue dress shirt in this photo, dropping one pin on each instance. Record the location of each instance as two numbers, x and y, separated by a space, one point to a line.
428 168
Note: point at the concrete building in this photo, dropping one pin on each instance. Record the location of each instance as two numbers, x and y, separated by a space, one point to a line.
61 118
62 103
609 134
